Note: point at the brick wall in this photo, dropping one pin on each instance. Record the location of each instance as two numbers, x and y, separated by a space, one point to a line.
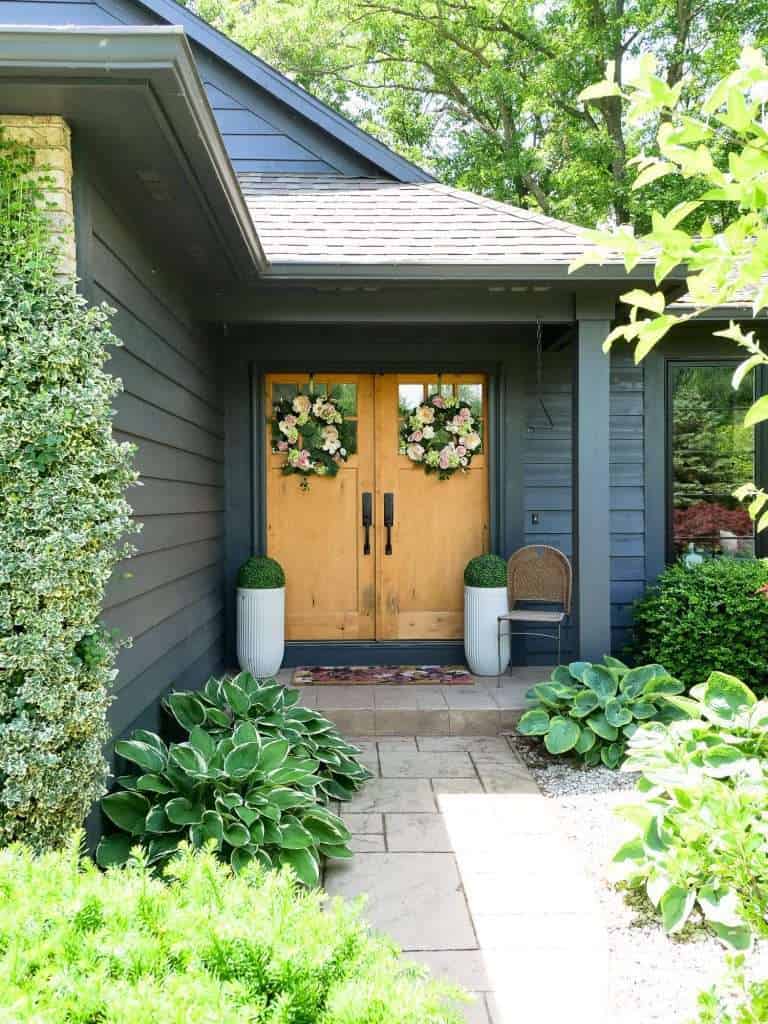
50 138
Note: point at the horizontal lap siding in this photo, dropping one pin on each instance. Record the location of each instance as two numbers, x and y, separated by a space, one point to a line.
627 494
169 597
547 452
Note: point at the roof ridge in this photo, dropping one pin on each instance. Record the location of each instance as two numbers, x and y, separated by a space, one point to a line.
516 212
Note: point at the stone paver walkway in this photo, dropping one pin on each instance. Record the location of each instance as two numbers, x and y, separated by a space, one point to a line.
464 865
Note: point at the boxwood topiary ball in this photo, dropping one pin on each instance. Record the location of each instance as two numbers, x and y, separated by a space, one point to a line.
261 573
486 571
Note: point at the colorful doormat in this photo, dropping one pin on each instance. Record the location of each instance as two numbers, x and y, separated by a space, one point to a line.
398 675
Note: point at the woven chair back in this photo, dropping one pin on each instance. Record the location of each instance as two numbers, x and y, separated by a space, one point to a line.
539 573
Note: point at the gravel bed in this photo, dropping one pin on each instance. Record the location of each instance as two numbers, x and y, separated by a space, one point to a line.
652 977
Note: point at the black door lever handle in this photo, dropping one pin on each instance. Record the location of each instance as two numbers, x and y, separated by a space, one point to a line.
367 521
389 520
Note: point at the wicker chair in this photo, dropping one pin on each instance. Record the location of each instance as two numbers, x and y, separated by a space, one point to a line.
536 574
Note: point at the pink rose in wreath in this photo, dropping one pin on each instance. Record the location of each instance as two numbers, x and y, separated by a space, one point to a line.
417 435
438 401
304 461
282 446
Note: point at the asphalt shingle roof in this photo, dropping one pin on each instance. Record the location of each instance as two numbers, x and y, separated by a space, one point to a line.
322 219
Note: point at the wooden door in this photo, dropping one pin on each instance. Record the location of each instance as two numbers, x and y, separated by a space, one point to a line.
438 524
317 534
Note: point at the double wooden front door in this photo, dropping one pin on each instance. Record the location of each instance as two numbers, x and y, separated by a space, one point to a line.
406 582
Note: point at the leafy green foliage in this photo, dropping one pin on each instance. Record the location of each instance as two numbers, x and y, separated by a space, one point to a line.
486 92
738 1001
700 837
203 945
62 519
261 573
592 710
723 266
707 617
486 571
253 776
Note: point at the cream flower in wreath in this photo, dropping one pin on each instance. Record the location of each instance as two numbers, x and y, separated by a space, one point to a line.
302 405
425 414
288 424
472 441
331 442
449 457
428 432
415 452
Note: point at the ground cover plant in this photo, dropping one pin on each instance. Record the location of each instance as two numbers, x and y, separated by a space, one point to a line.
202 945
63 517
711 617
738 1001
253 776
701 828
591 710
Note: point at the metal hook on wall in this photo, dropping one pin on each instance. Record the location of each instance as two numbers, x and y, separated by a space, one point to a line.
540 377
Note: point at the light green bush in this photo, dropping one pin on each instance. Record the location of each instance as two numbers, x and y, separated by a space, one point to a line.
701 829
202 947
62 515
737 1001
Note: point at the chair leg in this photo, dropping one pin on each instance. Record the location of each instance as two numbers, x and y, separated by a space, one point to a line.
558 643
498 651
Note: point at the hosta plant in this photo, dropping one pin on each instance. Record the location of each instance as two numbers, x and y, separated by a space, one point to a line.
701 828
254 787
592 710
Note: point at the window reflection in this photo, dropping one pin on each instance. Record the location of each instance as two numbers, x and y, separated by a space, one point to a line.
712 454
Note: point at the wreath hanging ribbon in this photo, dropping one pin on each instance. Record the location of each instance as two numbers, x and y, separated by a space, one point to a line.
312 432
441 434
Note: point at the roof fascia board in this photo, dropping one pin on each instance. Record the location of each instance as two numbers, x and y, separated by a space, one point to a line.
545 272
283 89
146 55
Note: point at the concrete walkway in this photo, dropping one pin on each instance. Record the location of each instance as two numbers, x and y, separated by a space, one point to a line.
464 865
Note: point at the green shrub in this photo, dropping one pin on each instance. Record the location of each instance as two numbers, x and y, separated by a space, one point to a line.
253 777
705 619
203 946
591 710
62 517
261 573
486 571
702 829
738 1001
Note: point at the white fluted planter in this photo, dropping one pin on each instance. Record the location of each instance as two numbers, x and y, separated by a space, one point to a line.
260 630
482 607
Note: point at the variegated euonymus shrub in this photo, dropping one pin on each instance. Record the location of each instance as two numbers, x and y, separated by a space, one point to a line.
253 777
62 516
702 823
592 710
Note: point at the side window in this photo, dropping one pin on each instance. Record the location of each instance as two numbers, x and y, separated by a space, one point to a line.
711 454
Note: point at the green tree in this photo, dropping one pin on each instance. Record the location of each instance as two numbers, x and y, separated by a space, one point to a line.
486 92
722 266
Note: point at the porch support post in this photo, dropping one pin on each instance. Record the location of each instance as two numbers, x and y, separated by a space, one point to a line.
592 482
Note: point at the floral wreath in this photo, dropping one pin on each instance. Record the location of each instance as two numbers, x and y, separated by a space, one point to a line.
312 432
442 434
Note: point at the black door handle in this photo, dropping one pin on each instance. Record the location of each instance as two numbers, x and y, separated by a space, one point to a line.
389 520
367 520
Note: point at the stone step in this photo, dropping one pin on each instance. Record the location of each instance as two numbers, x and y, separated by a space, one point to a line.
423 721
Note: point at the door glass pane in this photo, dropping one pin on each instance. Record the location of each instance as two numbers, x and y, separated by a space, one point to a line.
346 396
282 390
472 393
445 389
712 454
408 397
